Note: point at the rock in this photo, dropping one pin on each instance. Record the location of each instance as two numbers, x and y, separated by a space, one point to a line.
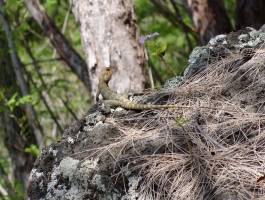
210 147
218 48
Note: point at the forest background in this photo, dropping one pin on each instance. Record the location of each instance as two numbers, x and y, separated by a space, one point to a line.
41 91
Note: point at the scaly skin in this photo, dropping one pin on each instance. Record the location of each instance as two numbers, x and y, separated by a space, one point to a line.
112 99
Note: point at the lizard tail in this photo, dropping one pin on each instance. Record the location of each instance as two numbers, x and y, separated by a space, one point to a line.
136 106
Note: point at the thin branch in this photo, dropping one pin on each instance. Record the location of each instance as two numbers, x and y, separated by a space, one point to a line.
179 17
69 109
68 54
44 85
67 18
186 29
43 61
155 74
171 17
64 23
17 65
52 114
3 192
174 19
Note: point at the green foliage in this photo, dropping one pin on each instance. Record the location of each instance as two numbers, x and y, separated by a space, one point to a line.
15 189
33 149
230 6
157 48
12 102
3 165
143 8
16 101
2 100
18 192
59 81
50 4
169 51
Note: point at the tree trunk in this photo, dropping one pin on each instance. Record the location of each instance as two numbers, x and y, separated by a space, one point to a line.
11 122
109 37
210 18
250 13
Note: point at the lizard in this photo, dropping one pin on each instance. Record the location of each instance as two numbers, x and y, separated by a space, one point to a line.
112 99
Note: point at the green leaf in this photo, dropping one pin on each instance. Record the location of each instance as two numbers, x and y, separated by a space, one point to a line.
15 101
157 48
11 103
33 149
161 48
25 99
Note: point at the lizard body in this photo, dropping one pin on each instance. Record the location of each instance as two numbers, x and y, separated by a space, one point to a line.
112 99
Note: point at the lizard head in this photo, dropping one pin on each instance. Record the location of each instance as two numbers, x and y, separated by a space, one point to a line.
106 74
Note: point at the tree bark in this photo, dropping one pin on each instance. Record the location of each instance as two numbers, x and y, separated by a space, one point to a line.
210 18
109 36
250 13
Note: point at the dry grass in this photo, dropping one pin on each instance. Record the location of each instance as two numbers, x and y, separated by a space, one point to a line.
211 147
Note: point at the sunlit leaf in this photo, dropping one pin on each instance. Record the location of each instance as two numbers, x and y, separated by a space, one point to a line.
33 149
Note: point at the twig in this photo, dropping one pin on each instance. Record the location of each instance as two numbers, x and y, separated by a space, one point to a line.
172 18
64 24
44 85
68 54
53 116
153 69
3 192
43 61
65 103
186 29
150 75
